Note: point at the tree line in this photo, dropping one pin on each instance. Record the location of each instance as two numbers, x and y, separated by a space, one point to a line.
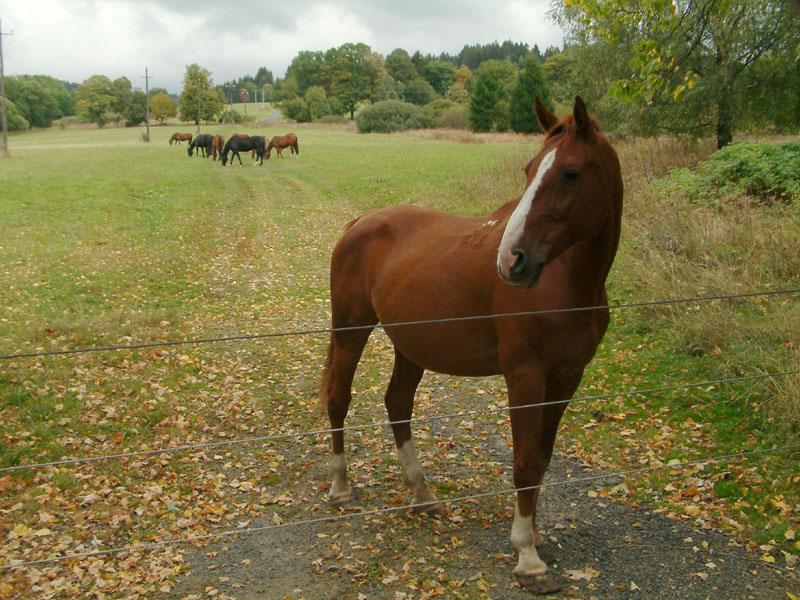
645 67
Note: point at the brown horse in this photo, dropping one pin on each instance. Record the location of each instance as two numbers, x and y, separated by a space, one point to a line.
180 137
217 144
279 142
552 248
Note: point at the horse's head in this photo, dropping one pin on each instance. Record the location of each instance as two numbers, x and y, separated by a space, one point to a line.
574 190
190 149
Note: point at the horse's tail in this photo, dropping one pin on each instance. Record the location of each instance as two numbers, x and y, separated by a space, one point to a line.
296 146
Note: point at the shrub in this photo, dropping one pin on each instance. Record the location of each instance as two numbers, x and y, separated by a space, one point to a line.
456 117
764 171
433 111
388 116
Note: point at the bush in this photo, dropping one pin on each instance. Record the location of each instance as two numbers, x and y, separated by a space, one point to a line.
456 117
237 117
388 116
764 171
433 111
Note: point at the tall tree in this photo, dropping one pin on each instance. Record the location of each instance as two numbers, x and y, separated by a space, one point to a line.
487 93
199 102
400 67
35 102
701 55
306 68
530 84
439 74
349 79
95 99
162 107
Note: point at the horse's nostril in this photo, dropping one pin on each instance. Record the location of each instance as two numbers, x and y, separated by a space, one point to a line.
520 263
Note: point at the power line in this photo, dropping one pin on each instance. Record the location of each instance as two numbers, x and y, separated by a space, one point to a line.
283 436
318 331
380 511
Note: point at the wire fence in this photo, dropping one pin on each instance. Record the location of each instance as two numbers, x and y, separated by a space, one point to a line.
394 509
472 413
334 518
323 330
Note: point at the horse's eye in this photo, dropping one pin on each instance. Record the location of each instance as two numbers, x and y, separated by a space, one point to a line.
571 175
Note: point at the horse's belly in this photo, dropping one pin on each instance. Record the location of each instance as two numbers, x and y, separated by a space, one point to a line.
446 349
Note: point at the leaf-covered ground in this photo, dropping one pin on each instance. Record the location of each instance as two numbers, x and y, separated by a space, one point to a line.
109 241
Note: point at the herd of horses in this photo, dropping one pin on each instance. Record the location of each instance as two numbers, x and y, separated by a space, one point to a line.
434 279
213 146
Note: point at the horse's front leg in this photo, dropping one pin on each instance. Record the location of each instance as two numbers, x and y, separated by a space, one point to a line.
239 157
527 388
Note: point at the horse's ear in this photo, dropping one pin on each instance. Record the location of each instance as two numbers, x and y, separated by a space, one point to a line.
546 118
582 118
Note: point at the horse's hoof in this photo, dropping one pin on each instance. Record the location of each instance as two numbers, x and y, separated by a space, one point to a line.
343 502
541 583
545 552
431 509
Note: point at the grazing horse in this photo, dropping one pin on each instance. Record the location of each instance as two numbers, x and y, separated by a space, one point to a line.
203 144
236 144
180 137
279 142
549 250
217 144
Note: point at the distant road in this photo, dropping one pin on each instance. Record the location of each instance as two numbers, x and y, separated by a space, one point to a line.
275 116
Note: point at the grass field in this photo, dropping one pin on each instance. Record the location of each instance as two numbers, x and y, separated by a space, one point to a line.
106 240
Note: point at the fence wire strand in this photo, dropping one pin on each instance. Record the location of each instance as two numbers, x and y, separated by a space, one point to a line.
299 434
381 511
322 330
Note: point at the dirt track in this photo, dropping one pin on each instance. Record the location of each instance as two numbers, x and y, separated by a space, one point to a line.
603 550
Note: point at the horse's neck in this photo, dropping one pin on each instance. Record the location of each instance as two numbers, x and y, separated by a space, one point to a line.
588 263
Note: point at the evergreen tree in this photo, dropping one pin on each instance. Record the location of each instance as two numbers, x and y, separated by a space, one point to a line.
487 93
531 83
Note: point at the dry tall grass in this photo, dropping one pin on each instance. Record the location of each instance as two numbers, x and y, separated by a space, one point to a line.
676 248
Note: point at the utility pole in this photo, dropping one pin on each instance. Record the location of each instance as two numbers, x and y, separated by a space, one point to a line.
198 107
147 102
3 94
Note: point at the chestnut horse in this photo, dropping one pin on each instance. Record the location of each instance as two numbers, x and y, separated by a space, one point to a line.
279 142
217 144
550 249
180 137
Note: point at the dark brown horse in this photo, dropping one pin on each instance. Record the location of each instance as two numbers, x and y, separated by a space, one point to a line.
217 144
180 137
552 248
279 142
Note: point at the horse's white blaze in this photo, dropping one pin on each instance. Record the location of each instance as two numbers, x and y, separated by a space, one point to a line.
516 223
524 541
412 473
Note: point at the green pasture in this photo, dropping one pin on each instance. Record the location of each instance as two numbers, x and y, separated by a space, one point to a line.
106 240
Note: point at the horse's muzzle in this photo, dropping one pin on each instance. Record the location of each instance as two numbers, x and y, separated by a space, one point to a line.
526 270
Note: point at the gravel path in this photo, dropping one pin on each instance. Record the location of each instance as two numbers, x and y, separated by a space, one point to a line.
603 550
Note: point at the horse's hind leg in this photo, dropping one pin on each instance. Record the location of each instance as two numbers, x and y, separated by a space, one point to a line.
400 405
343 356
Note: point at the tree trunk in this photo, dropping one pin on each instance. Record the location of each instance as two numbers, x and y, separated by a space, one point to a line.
724 118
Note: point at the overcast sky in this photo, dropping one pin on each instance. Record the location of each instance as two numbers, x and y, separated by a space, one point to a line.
74 39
